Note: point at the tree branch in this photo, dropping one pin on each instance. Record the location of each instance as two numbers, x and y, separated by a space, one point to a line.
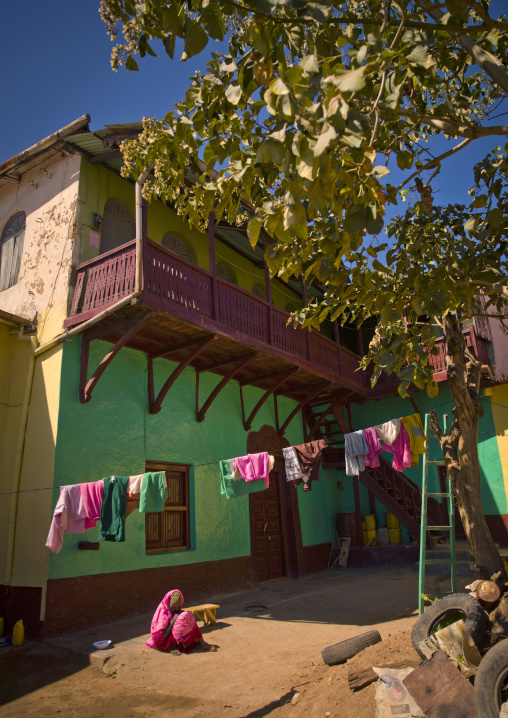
430 164
488 62
451 127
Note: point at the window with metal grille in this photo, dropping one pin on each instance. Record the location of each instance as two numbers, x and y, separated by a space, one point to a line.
169 530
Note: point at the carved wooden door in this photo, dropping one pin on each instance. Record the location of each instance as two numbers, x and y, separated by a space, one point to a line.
267 545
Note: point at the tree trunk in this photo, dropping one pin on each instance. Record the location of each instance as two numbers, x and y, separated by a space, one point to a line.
460 445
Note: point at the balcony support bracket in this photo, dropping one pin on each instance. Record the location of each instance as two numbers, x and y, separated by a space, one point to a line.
155 404
282 377
316 390
242 362
86 388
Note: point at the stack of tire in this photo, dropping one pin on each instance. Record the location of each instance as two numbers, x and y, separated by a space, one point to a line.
491 679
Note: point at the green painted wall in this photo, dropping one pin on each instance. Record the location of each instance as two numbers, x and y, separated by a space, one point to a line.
318 507
114 434
97 184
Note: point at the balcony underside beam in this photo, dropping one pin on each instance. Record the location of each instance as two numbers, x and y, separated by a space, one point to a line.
196 341
86 388
282 377
155 404
242 362
317 390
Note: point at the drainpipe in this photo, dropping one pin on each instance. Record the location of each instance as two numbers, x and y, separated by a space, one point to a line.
139 232
138 282
19 459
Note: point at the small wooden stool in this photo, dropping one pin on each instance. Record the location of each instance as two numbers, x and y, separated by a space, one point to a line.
205 612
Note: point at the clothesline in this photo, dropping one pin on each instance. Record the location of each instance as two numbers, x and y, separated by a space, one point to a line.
274 451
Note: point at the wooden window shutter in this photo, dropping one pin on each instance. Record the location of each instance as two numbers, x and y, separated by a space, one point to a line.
169 530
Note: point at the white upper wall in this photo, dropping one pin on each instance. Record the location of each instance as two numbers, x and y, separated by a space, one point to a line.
48 196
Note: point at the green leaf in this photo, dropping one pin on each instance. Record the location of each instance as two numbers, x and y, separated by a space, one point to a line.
172 20
310 63
234 94
355 221
495 217
131 64
279 87
253 230
419 55
352 81
271 151
472 224
381 170
169 45
195 39
324 141
405 160
211 17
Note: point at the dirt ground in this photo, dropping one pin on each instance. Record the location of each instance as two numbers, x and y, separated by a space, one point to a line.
263 656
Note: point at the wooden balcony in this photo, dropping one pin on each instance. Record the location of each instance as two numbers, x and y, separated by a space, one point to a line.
471 339
189 315
185 296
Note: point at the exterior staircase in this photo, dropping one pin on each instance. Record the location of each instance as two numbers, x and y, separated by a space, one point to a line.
395 491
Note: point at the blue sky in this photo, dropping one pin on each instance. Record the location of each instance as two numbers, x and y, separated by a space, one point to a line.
56 61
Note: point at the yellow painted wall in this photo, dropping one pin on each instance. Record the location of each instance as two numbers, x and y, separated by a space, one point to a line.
31 558
97 184
499 404
14 361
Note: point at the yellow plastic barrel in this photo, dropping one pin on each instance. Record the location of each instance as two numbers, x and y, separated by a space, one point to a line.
370 522
394 536
18 634
371 533
392 521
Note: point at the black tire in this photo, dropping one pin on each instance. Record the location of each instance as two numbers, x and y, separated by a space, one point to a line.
340 652
475 618
492 673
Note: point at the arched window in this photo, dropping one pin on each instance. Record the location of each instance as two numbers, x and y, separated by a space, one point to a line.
258 290
118 226
178 245
224 272
11 249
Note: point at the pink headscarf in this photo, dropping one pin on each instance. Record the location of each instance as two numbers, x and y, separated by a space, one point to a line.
160 620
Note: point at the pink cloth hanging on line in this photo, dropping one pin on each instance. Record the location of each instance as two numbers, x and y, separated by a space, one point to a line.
91 496
254 466
373 445
69 516
401 447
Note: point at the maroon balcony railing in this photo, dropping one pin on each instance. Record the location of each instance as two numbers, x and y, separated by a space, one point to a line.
177 286
471 339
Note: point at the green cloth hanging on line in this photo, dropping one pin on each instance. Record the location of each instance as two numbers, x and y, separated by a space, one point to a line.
113 509
153 492
233 488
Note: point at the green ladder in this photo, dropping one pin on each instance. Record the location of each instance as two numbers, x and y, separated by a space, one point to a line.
448 495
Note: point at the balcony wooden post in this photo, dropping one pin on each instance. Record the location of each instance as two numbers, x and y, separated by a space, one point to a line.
268 287
304 300
211 255
337 342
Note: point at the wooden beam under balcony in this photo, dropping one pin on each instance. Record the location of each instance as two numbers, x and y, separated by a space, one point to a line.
245 359
282 377
155 404
318 389
86 388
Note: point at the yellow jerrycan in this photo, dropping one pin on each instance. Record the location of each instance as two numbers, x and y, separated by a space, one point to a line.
18 634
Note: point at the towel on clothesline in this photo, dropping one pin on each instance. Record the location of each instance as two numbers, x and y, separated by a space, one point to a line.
69 516
373 445
114 508
402 450
233 488
153 493
355 447
254 466
292 466
388 431
309 458
91 495
414 428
